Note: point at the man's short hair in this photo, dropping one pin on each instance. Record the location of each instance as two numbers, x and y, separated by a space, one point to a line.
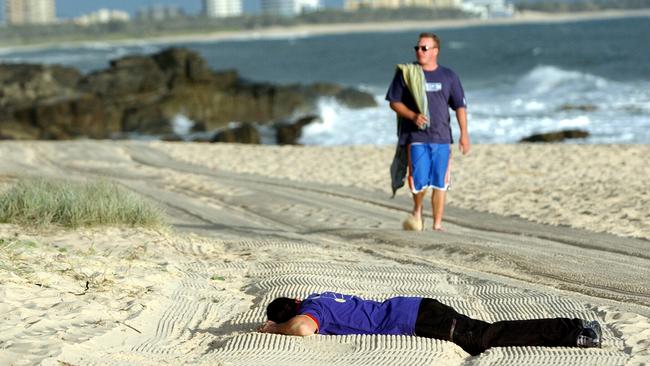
432 36
282 309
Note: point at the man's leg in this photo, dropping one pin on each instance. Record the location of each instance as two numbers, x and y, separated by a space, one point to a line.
440 179
418 200
556 332
438 205
437 320
418 179
440 321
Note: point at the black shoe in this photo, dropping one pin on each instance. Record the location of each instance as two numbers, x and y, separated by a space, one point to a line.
591 335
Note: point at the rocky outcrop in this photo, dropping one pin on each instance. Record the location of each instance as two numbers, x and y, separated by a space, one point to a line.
556 136
143 94
243 134
25 84
578 107
289 133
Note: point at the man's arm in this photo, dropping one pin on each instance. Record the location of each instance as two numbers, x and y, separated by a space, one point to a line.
403 111
463 144
299 325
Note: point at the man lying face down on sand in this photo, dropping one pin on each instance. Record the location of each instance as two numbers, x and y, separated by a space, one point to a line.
334 313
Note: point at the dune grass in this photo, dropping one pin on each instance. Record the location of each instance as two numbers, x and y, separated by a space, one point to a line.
38 202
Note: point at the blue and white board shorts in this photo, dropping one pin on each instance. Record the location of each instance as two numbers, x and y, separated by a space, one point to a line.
429 166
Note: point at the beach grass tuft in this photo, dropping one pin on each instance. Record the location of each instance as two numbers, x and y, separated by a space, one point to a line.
38 202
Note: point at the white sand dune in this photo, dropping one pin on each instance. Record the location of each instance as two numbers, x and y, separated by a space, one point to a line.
252 223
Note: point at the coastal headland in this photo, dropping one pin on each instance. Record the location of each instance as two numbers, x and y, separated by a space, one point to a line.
149 94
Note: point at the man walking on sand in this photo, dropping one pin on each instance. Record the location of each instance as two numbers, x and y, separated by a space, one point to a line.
421 94
335 313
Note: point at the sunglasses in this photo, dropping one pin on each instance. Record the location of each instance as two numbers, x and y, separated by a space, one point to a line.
422 48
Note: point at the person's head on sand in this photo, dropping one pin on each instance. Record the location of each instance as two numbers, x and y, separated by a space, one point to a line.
427 49
282 309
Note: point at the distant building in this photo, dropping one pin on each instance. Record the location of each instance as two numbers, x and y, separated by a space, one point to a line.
489 8
19 12
306 6
353 5
289 7
222 8
278 7
160 12
103 16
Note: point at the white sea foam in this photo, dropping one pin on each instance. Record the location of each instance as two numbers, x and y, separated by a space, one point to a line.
529 105
577 122
546 79
181 125
344 126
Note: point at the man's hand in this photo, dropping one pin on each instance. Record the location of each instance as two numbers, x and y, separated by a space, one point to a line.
420 120
267 327
464 145
403 111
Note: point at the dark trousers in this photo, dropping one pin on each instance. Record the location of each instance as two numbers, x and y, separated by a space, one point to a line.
439 321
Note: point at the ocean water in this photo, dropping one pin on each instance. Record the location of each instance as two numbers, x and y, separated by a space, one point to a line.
518 79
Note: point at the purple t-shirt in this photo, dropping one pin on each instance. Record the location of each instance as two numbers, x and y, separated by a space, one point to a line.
443 91
346 314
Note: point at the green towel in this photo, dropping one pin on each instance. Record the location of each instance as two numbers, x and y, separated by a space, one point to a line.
416 83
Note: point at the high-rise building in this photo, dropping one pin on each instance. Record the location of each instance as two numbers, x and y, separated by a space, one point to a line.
278 7
30 11
289 7
103 16
489 8
160 12
222 8
393 4
305 6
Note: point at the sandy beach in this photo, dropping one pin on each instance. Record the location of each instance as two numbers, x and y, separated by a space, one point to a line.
532 231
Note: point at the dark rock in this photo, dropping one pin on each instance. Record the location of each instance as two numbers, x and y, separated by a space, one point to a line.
349 97
127 80
289 133
326 89
17 130
243 134
353 98
556 136
147 120
24 84
59 118
183 66
225 79
578 107
142 94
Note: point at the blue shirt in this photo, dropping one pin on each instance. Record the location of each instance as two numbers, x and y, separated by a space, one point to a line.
444 91
346 314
